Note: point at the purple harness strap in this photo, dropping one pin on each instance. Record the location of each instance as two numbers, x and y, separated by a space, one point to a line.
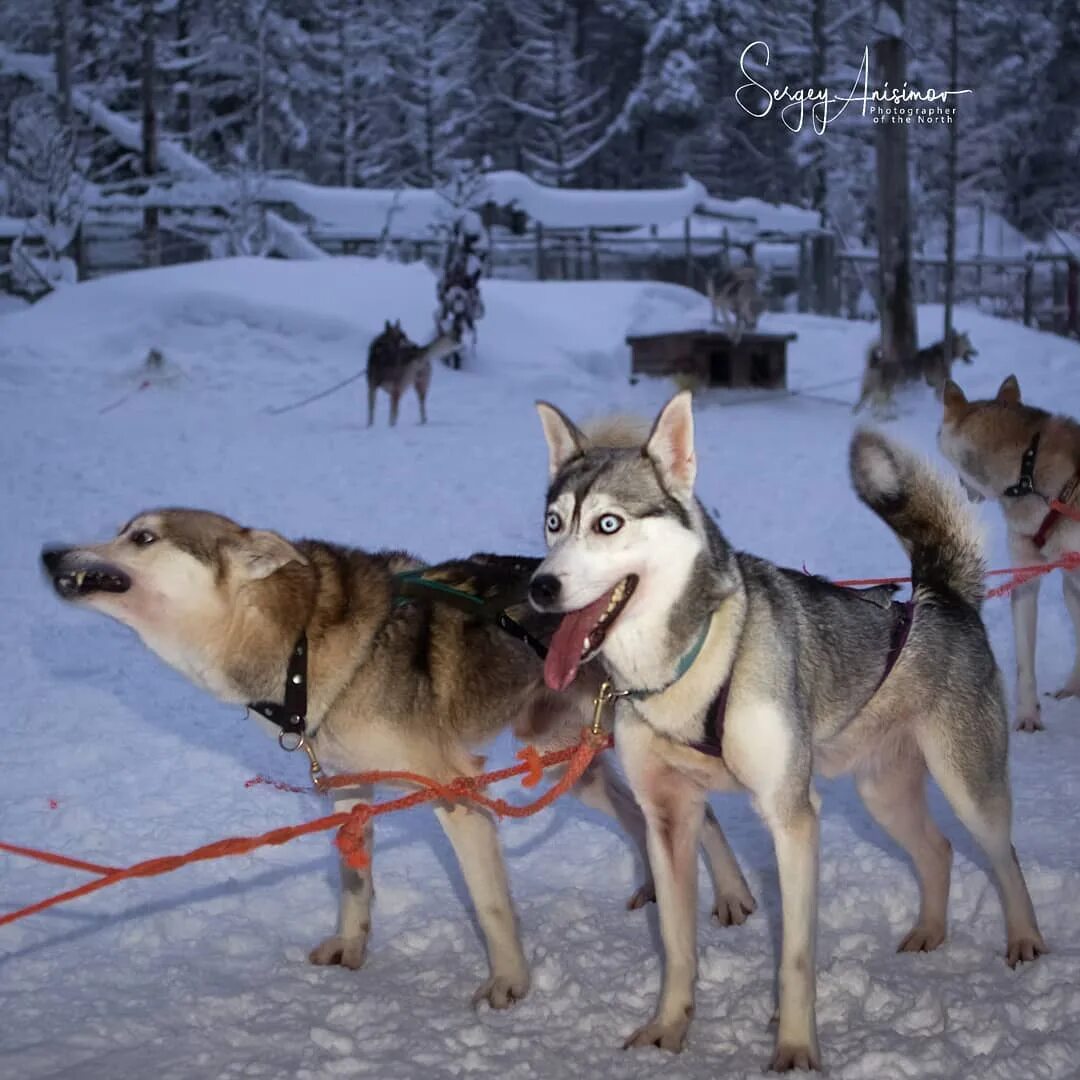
713 743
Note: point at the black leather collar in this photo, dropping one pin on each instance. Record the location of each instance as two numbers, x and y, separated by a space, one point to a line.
1026 484
291 717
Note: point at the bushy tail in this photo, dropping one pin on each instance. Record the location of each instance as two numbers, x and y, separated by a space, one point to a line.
927 513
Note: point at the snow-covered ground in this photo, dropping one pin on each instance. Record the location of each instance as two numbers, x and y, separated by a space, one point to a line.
110 756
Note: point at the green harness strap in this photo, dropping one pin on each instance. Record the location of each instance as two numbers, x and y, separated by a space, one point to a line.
412 585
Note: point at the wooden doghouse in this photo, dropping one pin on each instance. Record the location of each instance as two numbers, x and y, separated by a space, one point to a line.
757 361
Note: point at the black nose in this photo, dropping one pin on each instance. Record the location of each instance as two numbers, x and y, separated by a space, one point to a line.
544 589
52 556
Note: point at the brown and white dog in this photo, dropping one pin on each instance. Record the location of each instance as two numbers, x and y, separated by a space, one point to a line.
395 363
994 445
393 683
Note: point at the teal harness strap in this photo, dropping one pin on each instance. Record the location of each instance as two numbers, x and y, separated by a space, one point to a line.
685 663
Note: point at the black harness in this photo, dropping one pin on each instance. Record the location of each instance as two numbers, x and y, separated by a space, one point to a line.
1026 484
291 717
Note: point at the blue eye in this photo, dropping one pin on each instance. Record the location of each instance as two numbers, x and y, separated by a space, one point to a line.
553 522
608 524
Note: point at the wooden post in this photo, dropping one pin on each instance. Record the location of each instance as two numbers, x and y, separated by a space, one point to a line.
539 252
899 338
1072 297
950 202
804 273
689 282
981 251
62 16
1029 291
594 264
151 232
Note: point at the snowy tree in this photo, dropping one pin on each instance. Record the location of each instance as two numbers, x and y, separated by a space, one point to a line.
45 186
465 256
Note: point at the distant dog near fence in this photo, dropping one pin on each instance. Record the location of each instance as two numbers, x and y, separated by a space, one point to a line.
395 363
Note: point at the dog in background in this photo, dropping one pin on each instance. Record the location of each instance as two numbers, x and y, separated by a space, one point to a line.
930 364
1022 458
395 363
396 680
736 299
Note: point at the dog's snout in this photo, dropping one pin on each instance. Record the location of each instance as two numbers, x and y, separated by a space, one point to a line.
51 558
544 590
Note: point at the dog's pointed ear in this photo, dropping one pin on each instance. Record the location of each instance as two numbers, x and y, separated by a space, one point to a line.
564 439
263 553
953 397
1009 391
671 444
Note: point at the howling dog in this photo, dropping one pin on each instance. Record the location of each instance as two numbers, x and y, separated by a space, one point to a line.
1022 458
732 673
395 363
930 364
395 678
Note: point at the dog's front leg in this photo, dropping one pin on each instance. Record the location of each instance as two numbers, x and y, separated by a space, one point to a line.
1025 614
674 808
476 845
348 945
793 822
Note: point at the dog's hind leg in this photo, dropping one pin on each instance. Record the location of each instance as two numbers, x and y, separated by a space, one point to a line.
371 403
395 399
973 777
734 900
422 382
895 794
1025 614
601 788
1070 585
476 845
348 945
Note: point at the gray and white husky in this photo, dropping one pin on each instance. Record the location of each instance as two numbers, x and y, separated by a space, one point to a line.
734 673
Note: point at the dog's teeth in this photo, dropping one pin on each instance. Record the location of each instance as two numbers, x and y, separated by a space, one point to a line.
80 577
586 645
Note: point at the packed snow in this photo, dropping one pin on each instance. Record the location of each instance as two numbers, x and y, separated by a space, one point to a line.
110 756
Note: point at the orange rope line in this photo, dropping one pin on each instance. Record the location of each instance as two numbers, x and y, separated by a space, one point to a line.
351 825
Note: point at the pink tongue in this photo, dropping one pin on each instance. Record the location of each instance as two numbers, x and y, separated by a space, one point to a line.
564 652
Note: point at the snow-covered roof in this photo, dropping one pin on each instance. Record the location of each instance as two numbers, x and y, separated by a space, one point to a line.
413 212
766 217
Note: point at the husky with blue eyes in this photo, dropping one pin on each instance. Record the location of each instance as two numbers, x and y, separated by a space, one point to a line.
732 673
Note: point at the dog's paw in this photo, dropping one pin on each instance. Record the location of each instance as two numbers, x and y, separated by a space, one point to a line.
788 1058
667 1035
925 937
1070 689
734 910
1029 719
643 894
502 991
1024 949
348 952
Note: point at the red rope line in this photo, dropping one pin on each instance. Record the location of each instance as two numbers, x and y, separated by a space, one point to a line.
351 825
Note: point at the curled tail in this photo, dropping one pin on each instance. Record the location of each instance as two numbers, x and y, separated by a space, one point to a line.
926 512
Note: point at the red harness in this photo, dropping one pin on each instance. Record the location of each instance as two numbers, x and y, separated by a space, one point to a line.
1058 510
